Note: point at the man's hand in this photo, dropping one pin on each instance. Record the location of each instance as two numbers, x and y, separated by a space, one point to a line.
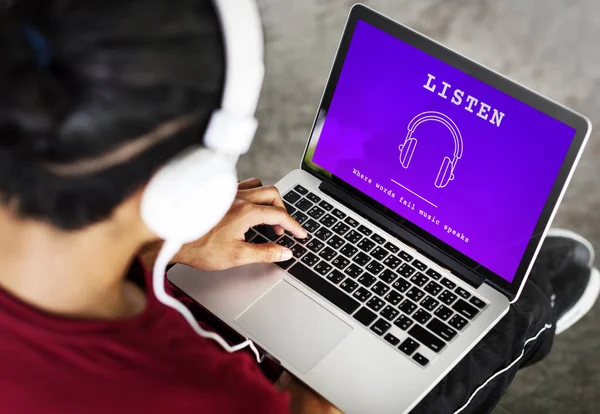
303 399
224 246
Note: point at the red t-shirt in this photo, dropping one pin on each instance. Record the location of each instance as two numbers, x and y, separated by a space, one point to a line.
153 363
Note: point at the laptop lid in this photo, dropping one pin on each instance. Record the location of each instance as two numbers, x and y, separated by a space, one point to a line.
467 160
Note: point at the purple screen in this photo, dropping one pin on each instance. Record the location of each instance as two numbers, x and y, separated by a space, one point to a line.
511 153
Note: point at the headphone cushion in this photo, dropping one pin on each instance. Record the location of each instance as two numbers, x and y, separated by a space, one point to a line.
407 152
188 196
445 173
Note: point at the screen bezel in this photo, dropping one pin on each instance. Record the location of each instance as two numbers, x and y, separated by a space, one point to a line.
415 39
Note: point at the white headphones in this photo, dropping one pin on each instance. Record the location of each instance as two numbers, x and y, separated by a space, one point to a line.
187 197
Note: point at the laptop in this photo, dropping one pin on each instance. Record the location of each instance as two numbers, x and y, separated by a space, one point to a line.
427 186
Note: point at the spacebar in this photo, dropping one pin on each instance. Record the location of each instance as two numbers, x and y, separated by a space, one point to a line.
324 288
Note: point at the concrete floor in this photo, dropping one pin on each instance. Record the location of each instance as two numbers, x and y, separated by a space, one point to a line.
548 45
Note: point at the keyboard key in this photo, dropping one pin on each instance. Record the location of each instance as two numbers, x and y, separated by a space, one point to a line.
419 279
351 222
303 204
380 288
419 265
387 276
433 288
268 232
366 245
441 329
315 245
391 339
401 285
304 240
353 271
288 207
403 322
421 360
300 217
381 326
339 214
353 236
365 230
375 303
328 220
433 274
316 212
465 309
366 280
458 322
326 205
389 313
340 262
361 258
477 302
377 238
406 270
379 253
392 248
324 288
348 250
286 264
312 197
429 303
301 189
336 242
447 297
362 294
298 251
286 241
393 297
449 284
336 277
392 262
349 285
340 228
407 307
323 268
443 312
292 197
310 225
415 294
258 239
405 256
408 346
428 339
365 316
323 234
328 254
421 316
310 259
374 267
249 235
462 293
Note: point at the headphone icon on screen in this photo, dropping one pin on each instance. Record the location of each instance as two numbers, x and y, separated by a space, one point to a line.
407 149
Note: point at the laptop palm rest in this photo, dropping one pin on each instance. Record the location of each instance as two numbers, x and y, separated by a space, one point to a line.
293 327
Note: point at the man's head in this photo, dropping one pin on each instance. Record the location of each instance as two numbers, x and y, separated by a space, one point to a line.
128 85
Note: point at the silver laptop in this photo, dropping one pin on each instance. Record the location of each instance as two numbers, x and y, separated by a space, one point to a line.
427 186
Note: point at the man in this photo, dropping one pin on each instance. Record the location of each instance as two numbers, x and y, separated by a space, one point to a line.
80 330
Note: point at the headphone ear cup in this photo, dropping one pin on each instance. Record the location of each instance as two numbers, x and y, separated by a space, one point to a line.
188 196
406 152
445 174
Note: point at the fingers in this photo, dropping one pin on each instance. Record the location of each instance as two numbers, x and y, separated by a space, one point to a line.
255 215
249 183
263 195
263 253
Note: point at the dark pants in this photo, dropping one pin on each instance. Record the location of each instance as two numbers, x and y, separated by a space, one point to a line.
502 346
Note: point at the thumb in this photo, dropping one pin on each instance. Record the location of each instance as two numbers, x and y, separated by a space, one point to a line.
263 253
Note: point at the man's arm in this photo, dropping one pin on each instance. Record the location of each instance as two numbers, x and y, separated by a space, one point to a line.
303 400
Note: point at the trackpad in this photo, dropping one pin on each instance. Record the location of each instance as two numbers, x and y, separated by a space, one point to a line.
293 326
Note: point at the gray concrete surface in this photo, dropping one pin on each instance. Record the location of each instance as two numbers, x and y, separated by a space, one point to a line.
549 45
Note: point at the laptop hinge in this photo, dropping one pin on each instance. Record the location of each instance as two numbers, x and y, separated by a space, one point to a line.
403 234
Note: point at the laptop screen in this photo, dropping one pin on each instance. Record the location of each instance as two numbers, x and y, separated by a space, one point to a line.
465 162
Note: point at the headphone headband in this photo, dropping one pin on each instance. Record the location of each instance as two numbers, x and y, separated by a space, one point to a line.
443 119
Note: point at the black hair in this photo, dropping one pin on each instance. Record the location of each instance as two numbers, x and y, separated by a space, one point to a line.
117 70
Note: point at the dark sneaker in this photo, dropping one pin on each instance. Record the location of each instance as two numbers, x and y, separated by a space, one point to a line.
568 259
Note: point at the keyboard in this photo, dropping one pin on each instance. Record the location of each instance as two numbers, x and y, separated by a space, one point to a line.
373 280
